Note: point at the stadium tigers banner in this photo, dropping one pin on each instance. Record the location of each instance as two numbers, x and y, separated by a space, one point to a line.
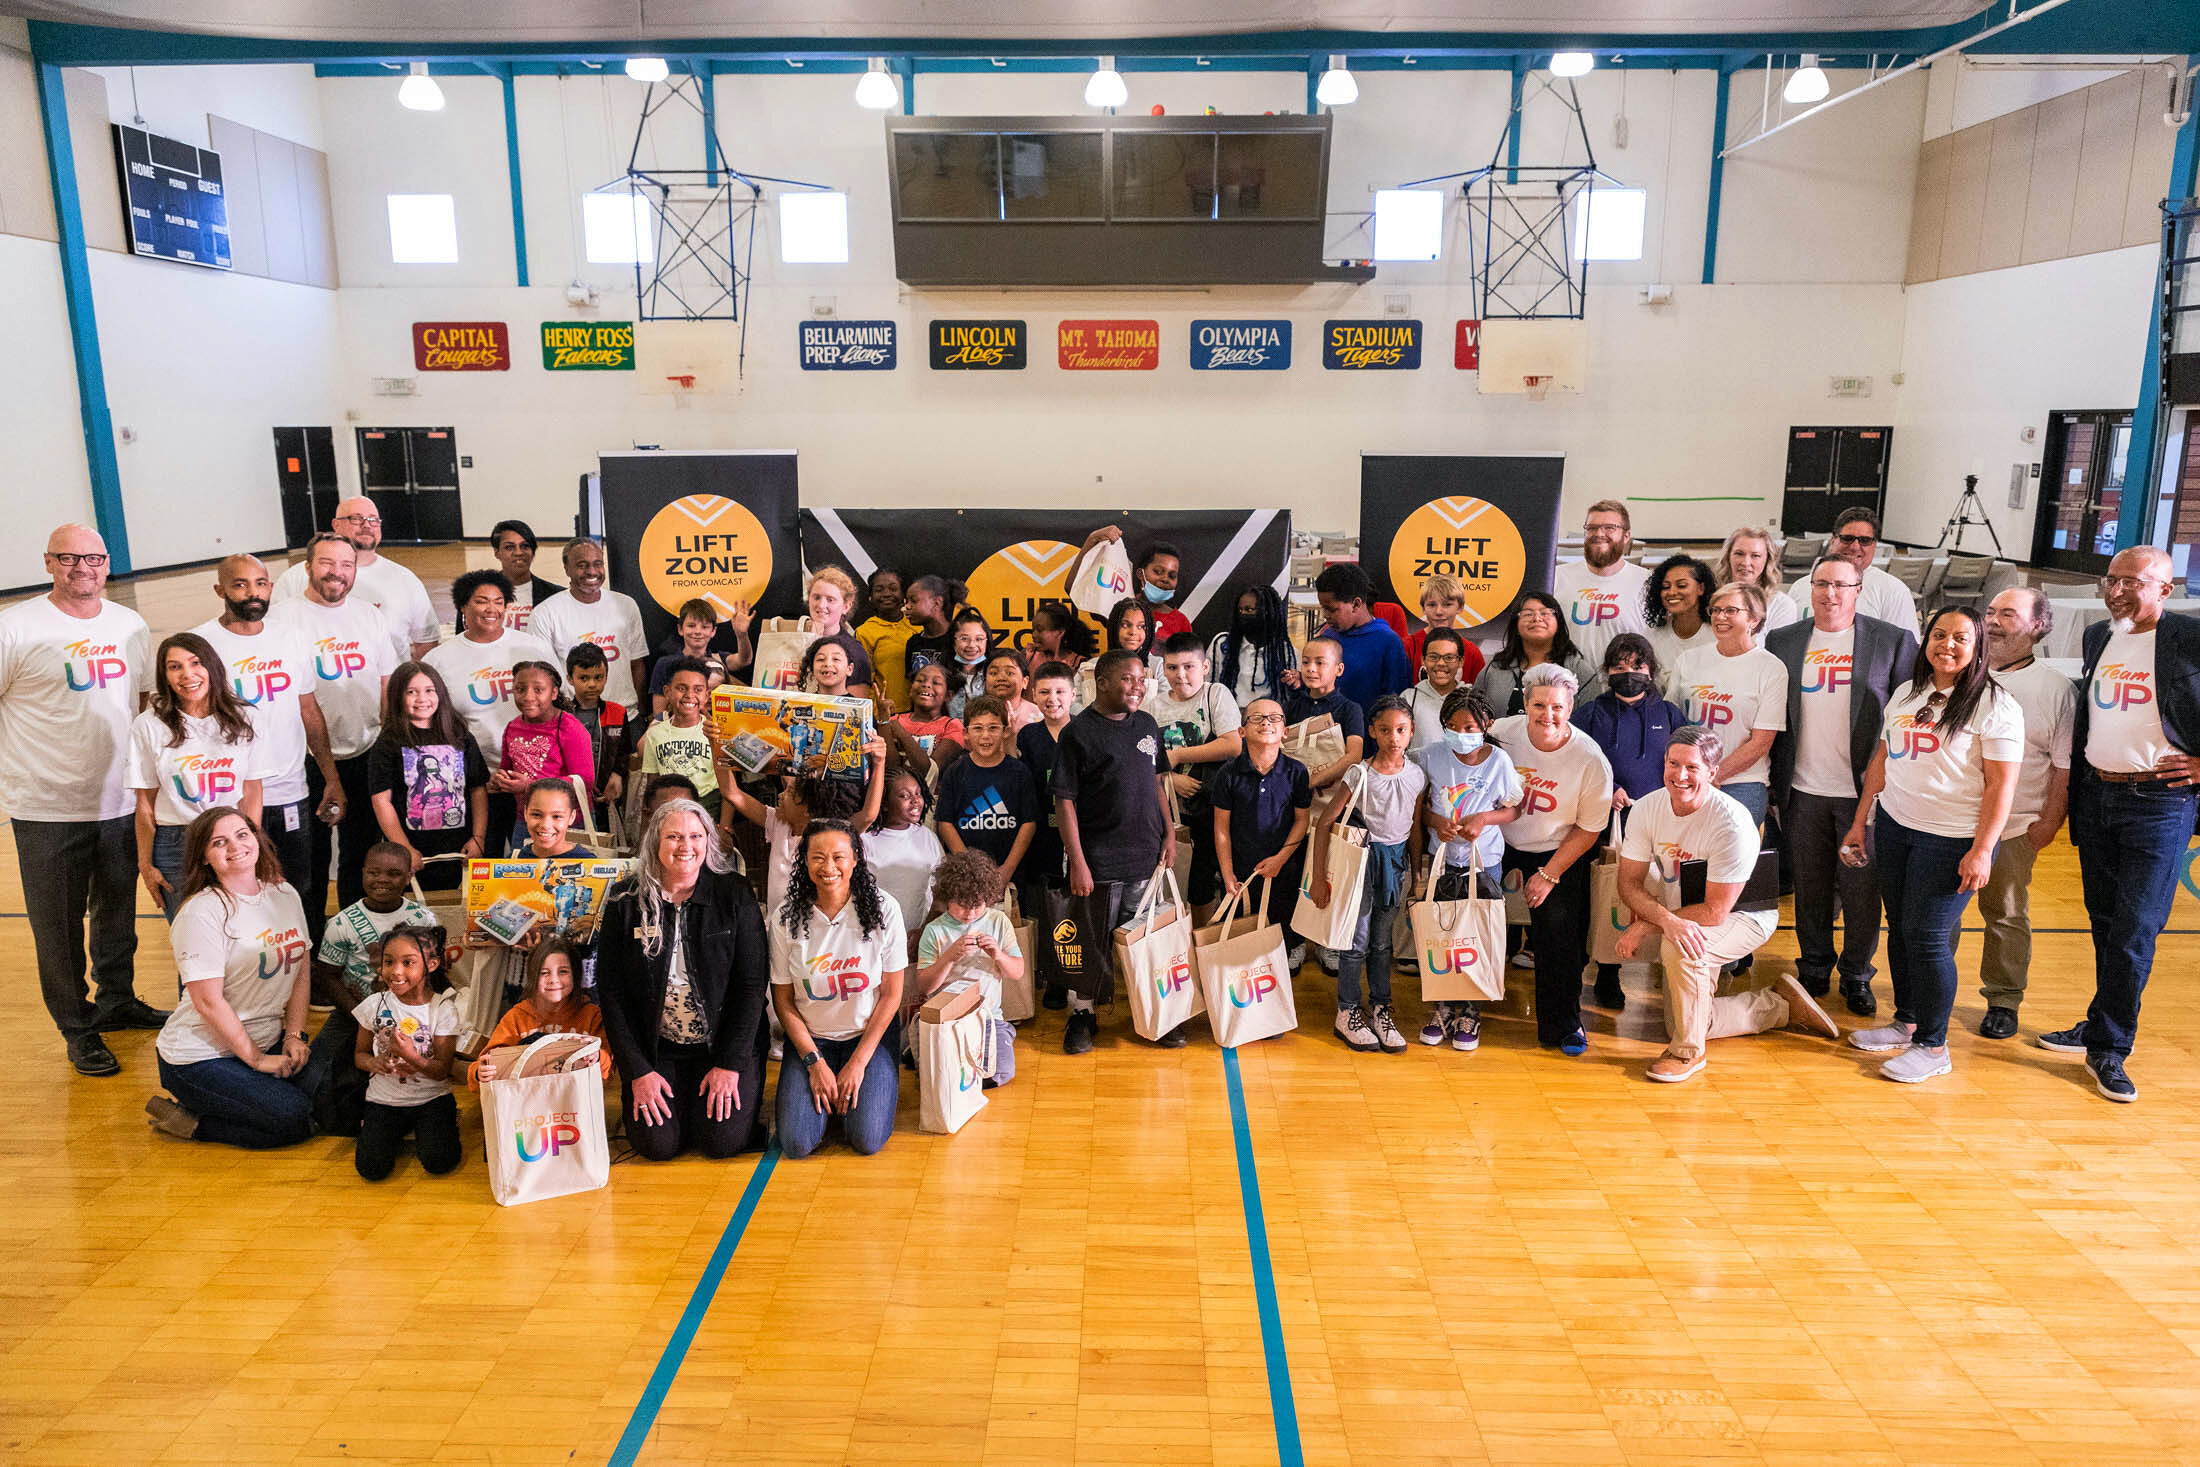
1491 523
711 524
1014 558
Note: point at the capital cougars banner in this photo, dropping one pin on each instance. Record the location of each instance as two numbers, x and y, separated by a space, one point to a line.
713 525
1490 523
1014 558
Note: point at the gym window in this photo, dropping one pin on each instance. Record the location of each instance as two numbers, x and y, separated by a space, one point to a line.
1612 229
423 229
619 228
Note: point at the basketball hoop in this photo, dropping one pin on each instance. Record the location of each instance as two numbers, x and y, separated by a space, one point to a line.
1538 387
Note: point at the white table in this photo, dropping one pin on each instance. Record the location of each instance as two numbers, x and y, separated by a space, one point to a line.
2073 616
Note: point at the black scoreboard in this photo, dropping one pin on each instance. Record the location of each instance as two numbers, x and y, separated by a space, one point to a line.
172 199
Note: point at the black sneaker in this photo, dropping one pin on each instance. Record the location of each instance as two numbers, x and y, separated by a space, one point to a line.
1055 997
1817 987
1175 1039
2064 1041
136 1014
2109 1078
1858 996
1999 1023
1077 1037
91 1056
1609 994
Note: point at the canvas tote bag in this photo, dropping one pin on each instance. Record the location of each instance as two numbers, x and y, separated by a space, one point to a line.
544 1134
1101 578
1244 975
1317 742
1153 953
1335 925
954 1060
1017 999
780 643
1461 944
1608 915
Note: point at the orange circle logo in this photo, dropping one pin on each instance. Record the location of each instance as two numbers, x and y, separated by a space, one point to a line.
705 547
1470 540
1012 582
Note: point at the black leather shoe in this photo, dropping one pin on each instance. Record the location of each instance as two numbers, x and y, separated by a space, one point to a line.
1175 1039
1858 996
136 1014
1078 1036
1055 997
1609 993
1999 1023
91 1056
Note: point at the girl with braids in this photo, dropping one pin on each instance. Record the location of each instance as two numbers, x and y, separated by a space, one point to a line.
839 953
191 750
1249 659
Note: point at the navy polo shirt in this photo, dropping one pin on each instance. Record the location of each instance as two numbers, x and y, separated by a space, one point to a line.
1260 806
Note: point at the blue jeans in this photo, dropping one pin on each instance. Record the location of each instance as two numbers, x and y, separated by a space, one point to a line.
1924 900
802 1125
167 859
238 1106
1753 797
1372 943
2131 842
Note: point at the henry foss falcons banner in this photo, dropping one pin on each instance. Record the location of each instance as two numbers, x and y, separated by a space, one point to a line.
715 524
1489 522
1014 558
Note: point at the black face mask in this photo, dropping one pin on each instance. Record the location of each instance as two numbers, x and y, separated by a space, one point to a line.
1628 684
1244 624
251 609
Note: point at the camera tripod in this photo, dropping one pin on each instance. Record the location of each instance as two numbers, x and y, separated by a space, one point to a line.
1963 519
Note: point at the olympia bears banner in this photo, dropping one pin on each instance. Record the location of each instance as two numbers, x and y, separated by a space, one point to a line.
1013 558
1491 523
718 525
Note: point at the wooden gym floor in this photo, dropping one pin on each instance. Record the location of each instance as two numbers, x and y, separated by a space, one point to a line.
1507 1256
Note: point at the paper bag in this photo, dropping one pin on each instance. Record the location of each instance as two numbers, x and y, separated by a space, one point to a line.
1017 1001
1101 578
1244 975
954 1060
1336 925
544 1134
1153 952
1461 944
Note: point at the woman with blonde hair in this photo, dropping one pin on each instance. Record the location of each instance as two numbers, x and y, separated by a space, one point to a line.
1751 557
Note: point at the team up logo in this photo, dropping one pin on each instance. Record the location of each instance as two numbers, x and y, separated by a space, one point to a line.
1468 539
280 952
705 547
606 642
205 779
257 680
1175 981
1911 737
832 978
987 812
1826 671
1593 608
488 686
552 1133
1713 709
1011 582
90 666
335 660
2119 689
1541 795
1255 985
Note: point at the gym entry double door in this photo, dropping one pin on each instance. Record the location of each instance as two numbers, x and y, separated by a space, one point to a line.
411 474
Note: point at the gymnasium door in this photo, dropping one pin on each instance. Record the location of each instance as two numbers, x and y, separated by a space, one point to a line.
1830 469
411 474
2081 490
305 479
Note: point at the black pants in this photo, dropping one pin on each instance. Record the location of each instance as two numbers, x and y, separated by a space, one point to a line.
433 1127
73 870
1558 931
293 847
1814 826
344 844
684 1066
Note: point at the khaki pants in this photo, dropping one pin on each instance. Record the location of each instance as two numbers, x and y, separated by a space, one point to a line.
1695 1011
2005 904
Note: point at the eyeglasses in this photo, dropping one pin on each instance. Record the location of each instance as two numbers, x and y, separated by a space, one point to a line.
70 561
1588 530
1857 539
2108 583
1730 610
359 519
1262 720
1836 585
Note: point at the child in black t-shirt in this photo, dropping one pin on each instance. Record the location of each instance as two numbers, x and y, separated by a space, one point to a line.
928 603
1313 692
987 800
1053 688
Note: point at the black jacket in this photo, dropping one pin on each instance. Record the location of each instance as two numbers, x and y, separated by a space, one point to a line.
2176 681
1882 661
728 964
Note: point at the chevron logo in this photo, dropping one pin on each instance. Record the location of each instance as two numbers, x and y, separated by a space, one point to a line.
1460 512
1042 560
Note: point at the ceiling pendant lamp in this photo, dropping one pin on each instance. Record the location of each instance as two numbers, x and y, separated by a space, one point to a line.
418 91
875 89
1337 88
1573 63
651 69
1807 85
1106 88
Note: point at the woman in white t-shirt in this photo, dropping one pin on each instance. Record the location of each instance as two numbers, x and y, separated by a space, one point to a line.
191 750
1563 813
1739 691
233 1053
839 952
1676 603
1944 775
1751 557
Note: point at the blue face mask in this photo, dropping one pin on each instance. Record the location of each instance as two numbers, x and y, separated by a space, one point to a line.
1463 740
1154 593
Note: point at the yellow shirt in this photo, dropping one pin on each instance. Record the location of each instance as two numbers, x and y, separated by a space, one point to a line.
887 644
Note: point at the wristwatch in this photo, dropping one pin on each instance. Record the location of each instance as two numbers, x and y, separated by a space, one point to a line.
811 1058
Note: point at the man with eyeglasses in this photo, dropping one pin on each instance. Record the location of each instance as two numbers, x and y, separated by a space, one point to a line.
75 668
2131 798
1602 593
382 583
1856 540
1843 667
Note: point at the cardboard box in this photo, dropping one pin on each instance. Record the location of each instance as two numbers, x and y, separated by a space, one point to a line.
553 1056
566 895
814 735
962 996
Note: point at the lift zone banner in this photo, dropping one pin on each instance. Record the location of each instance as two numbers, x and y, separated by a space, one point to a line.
847 346
1489 522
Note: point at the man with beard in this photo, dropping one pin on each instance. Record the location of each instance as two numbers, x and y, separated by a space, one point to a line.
353 656
75 668
1156 572
273 672
1602 593
1855 539
2131 798
2017 620
586 612
379 582
513 543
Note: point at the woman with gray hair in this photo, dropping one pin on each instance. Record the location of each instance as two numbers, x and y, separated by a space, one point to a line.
682 974
1566 803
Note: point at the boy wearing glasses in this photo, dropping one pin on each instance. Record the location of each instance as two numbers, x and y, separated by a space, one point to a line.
1855 539
1262 799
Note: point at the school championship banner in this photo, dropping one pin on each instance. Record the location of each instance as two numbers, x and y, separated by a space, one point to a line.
1490 523
1015 558
716 525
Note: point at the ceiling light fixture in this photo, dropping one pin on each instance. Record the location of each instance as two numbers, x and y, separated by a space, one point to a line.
1337 88
651 69
875 89
1808 84
418 91
1106 88
1573 63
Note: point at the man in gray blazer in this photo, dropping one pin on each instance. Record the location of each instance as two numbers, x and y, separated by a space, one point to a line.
1842 669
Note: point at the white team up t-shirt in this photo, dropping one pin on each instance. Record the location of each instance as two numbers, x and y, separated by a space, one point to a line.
612 622
255 947
1734 697
837 969
203 771
1719 833
269 674
2049 702
1567 788
1822 749
1598 608
69 687
478 676
2123 732
1936 780
352 653
388 587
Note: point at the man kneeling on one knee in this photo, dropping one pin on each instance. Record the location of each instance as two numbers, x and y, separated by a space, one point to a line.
1691 819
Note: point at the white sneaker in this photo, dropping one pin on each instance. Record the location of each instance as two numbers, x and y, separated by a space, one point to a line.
1328 959
1523 959
1354 1030
1386 1029
1882 1040
1917 1063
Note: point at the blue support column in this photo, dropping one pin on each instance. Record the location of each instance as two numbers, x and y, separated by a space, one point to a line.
1718 179
1314 68
705 83
905 67
76 288
2149 420
511 150
1512 136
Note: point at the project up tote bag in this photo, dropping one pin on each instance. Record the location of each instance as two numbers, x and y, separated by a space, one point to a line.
1461 945
544 1133
1102 578
1153 953
1244 975
954 1060
1335 925
1608 915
